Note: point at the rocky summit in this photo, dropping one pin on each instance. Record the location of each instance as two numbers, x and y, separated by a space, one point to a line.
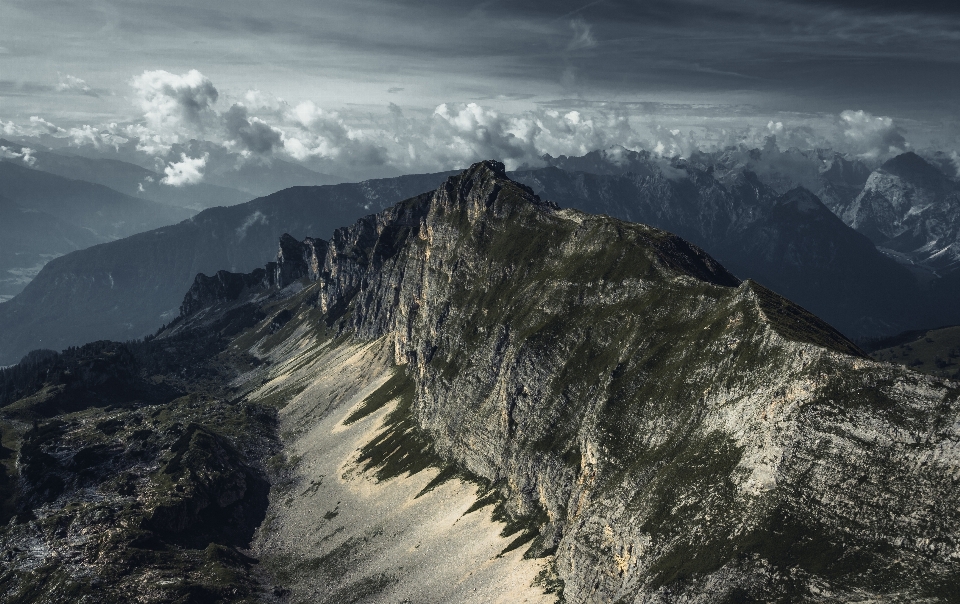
475 396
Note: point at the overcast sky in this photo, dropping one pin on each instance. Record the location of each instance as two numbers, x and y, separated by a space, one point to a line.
408 85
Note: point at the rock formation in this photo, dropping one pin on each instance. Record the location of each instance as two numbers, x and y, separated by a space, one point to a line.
649 427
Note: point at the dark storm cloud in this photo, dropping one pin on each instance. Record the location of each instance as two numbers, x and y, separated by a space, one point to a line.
608 47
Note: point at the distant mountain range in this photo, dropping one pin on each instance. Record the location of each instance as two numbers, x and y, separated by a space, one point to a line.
130 179
69 201
127 288
254 175
46 215
29 239
743 206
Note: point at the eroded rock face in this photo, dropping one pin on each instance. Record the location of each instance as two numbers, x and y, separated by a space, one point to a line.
224 286
678 435
684 436
296 259
912 208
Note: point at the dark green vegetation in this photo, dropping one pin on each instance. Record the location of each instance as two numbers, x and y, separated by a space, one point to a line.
138 471
934 351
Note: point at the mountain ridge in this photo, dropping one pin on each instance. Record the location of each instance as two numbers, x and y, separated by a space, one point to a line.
646 427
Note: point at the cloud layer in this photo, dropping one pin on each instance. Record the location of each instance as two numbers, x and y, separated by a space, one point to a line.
355 144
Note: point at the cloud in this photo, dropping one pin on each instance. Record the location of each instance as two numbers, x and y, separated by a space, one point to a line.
252 219
41 124
872 136
69 83
257 99
323 134
582 35
174 105
25 154
251 134
98 138
9 128
188 171
955 158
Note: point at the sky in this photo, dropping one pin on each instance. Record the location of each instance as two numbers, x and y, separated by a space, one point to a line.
364 88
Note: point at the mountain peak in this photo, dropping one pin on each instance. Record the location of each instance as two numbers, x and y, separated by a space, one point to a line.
803 200
914 168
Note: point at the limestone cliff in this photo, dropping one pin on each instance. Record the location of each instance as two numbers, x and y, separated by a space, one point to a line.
680 435
644 426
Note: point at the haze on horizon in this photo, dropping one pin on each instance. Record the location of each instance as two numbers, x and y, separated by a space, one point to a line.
375 88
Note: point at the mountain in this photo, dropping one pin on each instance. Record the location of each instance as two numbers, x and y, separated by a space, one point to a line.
933 351
131 179
790 243
477 396
106 213
45 216
254 175
841 180
127 288
802 250
911 208
28 239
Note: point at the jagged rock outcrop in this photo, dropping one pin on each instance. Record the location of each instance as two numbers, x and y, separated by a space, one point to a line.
911 208
296 260
224 286
673 434
683 436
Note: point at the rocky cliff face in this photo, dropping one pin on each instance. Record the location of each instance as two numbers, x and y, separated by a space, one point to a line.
664 431
127 288
911 208
678 434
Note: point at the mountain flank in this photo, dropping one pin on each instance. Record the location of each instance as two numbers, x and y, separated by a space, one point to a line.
553 405
128 288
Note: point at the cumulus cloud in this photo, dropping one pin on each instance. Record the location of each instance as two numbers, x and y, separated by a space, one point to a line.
69 83
188 171
97 137
323 134
251 134
174 105
872 136
257 99
25 154
9 128
38 123
582 35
